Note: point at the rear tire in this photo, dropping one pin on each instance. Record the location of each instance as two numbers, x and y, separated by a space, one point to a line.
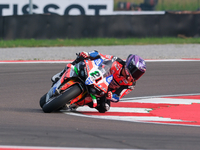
58 102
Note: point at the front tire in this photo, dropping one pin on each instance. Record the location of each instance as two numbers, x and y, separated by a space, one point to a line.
43 100
58 102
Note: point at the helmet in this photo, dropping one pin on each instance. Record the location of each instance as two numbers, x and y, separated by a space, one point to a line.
135 65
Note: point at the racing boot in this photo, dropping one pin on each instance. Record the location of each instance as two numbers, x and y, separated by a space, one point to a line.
103 106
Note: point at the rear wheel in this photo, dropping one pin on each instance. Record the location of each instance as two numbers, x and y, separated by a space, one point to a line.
58 102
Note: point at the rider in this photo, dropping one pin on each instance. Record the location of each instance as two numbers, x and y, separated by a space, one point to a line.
125 74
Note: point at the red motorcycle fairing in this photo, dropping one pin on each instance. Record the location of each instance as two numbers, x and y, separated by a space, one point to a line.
68 73
68 84
95 71
79 100
109 57
98 84
82 102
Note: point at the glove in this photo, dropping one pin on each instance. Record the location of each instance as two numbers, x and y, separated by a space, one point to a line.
112 97
84 54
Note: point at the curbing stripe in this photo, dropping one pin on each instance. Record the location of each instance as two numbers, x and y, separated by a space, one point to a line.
171 110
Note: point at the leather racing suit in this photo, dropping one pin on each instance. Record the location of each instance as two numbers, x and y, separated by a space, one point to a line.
119 86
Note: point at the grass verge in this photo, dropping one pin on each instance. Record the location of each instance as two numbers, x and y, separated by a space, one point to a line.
96 42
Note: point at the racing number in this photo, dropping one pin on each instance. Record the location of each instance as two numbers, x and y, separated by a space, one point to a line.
95 74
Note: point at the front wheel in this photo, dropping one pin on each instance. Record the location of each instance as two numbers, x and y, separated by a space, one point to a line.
58 102
43 100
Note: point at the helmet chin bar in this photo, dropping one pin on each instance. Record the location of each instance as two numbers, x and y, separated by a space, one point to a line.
128 75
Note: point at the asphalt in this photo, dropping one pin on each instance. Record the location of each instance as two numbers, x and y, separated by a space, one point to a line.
23 123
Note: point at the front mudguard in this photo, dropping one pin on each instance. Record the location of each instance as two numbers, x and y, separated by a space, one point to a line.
59 88
67 75
57 102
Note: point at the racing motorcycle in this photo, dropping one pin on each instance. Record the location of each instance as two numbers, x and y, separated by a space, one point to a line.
83 83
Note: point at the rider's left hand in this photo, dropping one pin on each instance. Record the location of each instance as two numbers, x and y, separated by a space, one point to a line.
112 97
84 54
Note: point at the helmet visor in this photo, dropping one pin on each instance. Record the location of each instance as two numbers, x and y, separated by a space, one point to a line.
135 72
128 75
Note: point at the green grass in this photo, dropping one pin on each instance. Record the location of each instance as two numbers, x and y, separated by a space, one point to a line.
96 42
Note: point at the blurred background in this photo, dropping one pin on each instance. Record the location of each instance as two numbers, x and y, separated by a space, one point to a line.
158 5
99 19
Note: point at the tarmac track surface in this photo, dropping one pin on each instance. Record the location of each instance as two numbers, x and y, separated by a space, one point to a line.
23 123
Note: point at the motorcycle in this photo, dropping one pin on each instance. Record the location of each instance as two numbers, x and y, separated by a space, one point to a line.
83 83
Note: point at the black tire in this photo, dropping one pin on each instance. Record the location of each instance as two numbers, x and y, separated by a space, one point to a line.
43 100
58 102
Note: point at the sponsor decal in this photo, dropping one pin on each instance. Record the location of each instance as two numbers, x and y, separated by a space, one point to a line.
109 79
97 88
98 61
58 7
88 67
108 56
125 81
65 7
114 58
116 66
88 81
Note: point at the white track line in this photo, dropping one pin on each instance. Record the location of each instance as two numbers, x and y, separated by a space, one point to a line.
6 147
165 101
157 96
127 118
116 109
